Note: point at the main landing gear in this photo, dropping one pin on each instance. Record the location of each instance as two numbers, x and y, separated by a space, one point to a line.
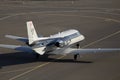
76 55
37 56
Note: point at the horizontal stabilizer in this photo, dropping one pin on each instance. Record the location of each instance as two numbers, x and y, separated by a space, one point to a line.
17 47
23 39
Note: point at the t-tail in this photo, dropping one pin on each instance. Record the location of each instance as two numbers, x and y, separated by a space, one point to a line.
32 35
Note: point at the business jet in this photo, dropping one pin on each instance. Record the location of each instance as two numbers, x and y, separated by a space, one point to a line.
60 43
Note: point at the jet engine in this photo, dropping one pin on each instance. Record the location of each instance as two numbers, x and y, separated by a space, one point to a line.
62 42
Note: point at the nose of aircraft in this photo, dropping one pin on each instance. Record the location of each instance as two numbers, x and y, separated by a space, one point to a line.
82 37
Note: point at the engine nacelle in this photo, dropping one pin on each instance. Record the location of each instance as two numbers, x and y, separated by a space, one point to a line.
62 42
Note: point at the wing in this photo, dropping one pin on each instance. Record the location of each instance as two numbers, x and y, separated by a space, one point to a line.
90 51
17 38
17 47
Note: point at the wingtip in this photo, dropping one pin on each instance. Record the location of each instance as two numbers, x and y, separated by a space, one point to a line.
7 35
2 45
29 22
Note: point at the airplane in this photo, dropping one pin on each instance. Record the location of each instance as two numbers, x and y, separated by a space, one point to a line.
60 43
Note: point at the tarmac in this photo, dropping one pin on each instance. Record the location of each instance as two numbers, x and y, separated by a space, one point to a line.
97 20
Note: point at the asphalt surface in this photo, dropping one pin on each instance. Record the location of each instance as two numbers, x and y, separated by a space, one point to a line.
97 20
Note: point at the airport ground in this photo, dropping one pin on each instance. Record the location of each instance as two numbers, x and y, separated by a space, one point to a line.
97 20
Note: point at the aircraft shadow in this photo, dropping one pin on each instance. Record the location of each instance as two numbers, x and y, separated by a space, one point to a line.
16 58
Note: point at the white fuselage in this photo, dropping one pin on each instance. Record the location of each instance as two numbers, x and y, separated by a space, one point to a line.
73 36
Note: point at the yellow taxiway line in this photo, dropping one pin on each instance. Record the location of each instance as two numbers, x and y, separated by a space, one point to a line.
44 64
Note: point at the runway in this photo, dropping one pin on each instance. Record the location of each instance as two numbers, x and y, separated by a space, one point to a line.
98 21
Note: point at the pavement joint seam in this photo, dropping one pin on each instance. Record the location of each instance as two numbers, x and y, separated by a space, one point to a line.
61 56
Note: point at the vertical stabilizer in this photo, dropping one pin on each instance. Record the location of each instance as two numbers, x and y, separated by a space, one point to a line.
32 35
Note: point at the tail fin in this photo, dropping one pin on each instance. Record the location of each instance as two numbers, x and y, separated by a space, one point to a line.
32 35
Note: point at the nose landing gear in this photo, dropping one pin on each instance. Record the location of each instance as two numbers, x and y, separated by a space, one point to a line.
76 55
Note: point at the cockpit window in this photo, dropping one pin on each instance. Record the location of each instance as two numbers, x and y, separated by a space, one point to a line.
74 35
78 33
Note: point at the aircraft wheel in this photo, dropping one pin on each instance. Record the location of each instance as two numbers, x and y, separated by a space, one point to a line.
75 57
78 45
37 56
